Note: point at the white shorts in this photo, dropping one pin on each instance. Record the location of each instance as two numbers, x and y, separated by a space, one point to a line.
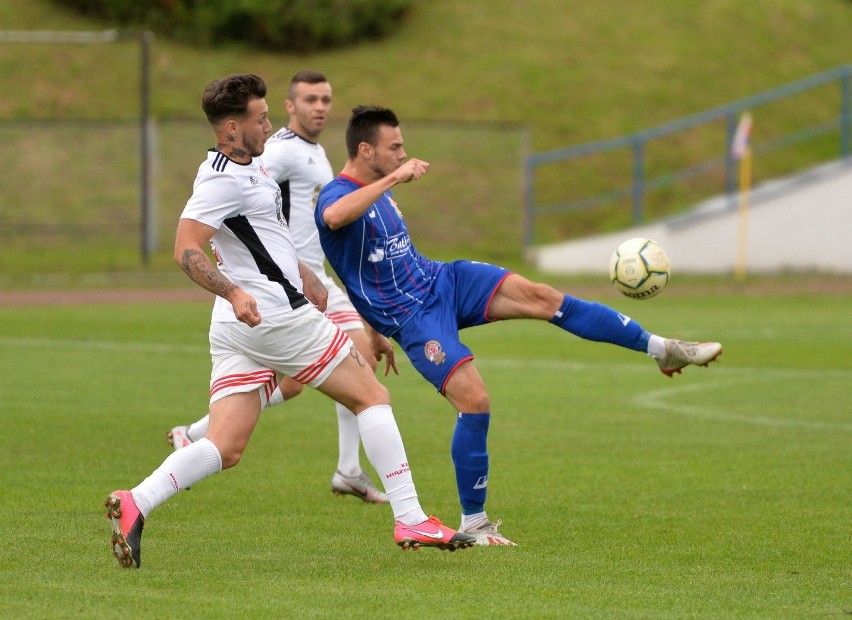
302 344
340 310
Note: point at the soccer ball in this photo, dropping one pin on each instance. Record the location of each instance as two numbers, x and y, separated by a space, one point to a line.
640 268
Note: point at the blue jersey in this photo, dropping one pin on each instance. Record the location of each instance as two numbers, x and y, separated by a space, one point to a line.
386 278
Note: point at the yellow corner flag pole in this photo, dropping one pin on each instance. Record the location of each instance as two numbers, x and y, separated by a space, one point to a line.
741 150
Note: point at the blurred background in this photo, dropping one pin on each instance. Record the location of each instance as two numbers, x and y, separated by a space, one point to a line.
545 122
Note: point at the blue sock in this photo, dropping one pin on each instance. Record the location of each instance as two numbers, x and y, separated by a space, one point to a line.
469 449
594 321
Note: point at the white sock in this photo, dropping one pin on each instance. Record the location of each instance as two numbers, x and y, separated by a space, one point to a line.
275 399
181 469
198 430
349 442
656 347
386 452
469 521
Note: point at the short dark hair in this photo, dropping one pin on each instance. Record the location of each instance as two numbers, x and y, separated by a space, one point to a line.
230 96
308 76
364 126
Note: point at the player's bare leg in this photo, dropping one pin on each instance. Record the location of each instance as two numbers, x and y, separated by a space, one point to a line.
232 420
348 478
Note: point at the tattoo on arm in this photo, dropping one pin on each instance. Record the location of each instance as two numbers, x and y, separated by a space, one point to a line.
204 273
312 277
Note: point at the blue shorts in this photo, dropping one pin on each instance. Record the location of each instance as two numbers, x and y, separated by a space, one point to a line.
460 298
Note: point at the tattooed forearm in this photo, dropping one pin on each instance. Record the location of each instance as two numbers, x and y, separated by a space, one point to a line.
310 278
204 273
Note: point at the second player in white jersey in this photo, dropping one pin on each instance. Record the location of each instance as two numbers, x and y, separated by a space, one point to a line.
301 169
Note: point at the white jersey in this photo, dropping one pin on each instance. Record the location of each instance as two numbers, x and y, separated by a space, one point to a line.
252 244
301 170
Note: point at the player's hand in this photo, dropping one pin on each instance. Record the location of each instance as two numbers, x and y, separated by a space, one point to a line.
245 307
382 347
313 288
411 170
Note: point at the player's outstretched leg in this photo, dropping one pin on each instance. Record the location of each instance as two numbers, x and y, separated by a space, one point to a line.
597 322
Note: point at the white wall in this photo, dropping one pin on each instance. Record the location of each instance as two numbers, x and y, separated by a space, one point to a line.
803 223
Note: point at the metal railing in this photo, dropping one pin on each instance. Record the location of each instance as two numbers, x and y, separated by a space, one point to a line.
637 144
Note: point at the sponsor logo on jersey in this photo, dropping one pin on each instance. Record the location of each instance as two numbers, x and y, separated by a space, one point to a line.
434 352
391 247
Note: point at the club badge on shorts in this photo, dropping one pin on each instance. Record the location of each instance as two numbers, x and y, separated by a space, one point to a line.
434 352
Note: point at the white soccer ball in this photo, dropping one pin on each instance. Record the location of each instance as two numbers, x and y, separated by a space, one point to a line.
640 268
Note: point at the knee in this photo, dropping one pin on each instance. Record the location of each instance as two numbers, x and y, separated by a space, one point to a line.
536 300
481 403
547 298
475 401
376 394
379 395
230 457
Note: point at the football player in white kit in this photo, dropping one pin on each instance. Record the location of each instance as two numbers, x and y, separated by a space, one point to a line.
294 159
263 325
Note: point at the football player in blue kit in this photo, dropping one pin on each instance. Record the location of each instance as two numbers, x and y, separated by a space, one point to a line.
422 304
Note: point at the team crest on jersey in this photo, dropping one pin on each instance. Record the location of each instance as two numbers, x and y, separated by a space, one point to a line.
434 352
394 205
253 180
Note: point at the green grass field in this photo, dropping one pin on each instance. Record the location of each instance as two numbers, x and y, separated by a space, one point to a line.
722 493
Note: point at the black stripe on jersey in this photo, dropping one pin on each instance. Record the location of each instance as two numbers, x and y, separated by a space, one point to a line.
220 161
285 200
288 134
285 134
245 233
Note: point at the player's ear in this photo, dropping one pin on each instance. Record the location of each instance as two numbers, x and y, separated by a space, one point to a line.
231 128
365 149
